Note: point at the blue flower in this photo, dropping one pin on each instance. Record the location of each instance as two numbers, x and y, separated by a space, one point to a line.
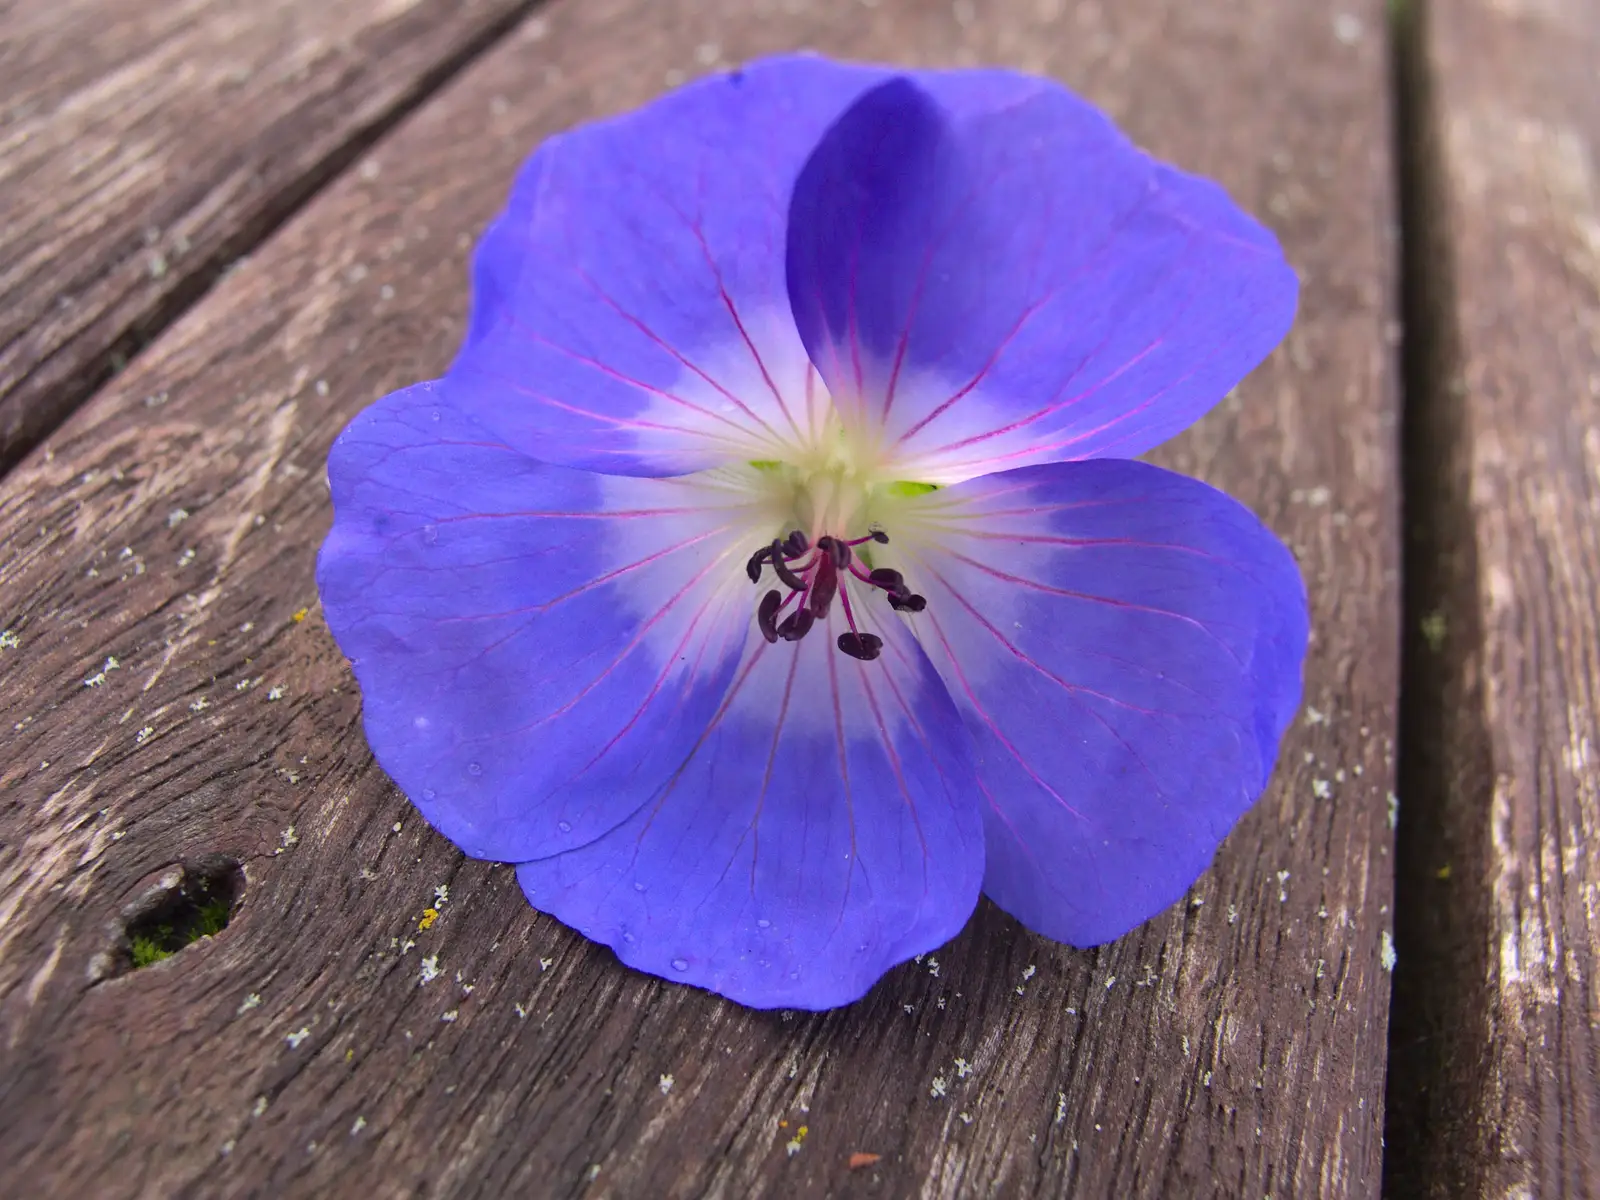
770 574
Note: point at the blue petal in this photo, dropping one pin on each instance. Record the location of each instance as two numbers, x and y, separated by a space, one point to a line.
536 646
1127 645
825 829
980 263
630 313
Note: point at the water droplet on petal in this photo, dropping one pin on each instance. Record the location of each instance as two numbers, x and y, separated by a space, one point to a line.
637 886
627 937
564 826
794 974
680 964
437 415
763 923
428 793
474 768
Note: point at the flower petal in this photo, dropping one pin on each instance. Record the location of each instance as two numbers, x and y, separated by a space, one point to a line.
824 829
537 647
1126 644
988 269
630 313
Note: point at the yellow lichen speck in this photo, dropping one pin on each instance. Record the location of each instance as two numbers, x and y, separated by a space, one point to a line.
429 916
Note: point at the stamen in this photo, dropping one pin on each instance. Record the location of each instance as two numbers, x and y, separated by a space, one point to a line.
856 644
767 614
816 582
797 626
775 556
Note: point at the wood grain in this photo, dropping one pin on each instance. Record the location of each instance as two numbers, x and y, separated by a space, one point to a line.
1497 995
145 145
323 1044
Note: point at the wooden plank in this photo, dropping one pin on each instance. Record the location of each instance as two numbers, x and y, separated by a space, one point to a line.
1497 1067
1234 1046
145 146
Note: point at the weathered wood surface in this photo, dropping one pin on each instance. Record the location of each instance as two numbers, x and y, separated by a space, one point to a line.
1235 1046
1498 991
145 145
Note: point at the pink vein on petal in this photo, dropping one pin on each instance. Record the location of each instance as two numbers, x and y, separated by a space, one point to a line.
1071 689
844 777
978 376
638 637
994 728
711 727
1109 601
766 776
899 772
600 580
670 663
738 323
677 354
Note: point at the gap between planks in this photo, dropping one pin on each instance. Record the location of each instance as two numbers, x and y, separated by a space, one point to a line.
1492 1086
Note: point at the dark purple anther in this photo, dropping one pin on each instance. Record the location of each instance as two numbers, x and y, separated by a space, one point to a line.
753 567
909 602
888 578
796 544
767 615
838 551
864 646
797 626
